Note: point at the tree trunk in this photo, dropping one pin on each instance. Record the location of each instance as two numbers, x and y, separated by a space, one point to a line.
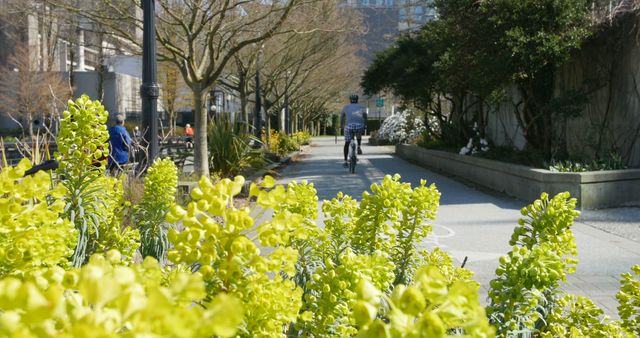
267 134
200 156
172 120
539 126
30 122
244 112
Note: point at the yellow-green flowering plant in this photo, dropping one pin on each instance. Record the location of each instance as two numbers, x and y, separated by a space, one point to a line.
444 263
333 259
429 307
106 298
629 300
91 197
330 269
394 218
32 233
331 293
528 276
111 234
577 316
218 241
160 184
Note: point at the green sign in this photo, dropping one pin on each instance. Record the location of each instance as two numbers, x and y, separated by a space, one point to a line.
380 102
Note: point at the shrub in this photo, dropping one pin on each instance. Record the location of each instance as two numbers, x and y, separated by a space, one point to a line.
230 151
287 144
281 144
401 127
613 162
374 139
302 138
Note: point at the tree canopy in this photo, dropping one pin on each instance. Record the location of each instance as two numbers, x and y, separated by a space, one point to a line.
478 48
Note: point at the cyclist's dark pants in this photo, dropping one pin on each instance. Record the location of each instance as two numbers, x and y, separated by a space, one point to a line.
346 146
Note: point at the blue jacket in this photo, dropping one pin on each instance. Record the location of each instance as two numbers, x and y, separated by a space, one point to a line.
119 141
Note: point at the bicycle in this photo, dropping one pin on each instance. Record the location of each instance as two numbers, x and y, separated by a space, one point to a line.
351 155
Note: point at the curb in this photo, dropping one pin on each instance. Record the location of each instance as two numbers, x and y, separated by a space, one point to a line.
185 186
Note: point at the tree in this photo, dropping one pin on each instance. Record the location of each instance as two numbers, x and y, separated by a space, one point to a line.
174 92
312 62
537 36
476 49
28 94
199 36
419 69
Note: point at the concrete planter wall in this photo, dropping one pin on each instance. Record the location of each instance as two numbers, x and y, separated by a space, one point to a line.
596 189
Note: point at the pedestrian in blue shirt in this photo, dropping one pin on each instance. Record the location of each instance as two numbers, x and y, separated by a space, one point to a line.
119 142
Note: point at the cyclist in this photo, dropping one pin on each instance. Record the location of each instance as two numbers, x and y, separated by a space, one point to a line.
354 120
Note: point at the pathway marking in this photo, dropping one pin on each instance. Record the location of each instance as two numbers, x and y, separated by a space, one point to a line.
433 239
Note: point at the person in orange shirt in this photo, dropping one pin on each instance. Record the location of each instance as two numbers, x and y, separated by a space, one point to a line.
188 133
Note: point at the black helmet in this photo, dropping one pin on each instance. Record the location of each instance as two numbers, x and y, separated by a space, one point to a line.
353 98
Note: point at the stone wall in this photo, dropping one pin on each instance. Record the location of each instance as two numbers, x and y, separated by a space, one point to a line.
608 71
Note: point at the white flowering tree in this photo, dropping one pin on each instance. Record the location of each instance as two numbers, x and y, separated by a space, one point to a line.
401 128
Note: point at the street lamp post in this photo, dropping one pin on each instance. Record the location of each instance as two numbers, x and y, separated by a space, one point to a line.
149 90
287 113
258 108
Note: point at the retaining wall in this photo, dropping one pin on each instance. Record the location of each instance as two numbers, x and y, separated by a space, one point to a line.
594 190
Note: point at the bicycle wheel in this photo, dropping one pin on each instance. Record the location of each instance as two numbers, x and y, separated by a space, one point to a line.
352 165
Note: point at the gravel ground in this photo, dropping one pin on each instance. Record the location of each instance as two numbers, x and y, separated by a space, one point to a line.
623 222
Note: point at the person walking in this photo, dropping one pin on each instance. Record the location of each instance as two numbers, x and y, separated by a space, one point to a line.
188 133
354 120
119 142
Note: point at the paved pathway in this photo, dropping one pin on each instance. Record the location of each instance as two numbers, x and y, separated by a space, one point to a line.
470 222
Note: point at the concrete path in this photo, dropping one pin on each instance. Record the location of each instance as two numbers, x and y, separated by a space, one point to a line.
473 223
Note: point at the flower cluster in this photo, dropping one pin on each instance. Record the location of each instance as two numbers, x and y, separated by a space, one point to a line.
32 233
401 127
82 141
216 241
430 307
106 297
629 299
577 316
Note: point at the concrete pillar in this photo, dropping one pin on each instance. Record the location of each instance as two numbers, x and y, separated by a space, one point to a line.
62 56
282 119
80 65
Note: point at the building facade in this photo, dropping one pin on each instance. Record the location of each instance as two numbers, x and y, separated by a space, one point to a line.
385 20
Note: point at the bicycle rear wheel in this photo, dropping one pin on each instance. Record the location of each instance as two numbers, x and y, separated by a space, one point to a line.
352 165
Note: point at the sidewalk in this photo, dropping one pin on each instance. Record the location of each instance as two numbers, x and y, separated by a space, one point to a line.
623 222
